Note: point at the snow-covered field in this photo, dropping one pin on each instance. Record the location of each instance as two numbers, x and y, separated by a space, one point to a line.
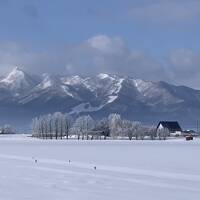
124 169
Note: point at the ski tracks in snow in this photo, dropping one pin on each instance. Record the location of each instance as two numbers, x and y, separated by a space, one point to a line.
106 173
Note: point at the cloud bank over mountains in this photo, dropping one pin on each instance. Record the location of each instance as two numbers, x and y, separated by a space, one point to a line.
104 54
148 39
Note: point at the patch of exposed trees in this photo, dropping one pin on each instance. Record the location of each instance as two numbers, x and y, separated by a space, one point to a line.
59 126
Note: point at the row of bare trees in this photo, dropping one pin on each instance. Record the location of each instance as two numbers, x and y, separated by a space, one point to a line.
126 128
61 126
55 125
6 129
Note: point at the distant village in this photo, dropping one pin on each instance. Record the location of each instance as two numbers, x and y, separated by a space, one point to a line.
63 126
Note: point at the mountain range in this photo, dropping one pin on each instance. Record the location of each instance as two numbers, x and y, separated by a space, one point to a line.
24 96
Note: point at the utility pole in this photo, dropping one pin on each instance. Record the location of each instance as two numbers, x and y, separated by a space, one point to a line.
197 126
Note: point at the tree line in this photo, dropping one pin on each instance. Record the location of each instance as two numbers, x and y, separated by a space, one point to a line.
6 129
59 126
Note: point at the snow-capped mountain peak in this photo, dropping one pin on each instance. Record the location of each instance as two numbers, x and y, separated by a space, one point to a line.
18 81
73 80
15 75
52 85
99 95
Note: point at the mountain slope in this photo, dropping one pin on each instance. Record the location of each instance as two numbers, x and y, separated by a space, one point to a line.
22 97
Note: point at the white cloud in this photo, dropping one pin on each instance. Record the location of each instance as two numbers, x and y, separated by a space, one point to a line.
107 45
111 55
185 67
185 61
13 54
96 55
103 54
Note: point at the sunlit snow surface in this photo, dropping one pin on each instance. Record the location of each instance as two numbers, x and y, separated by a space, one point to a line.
142 170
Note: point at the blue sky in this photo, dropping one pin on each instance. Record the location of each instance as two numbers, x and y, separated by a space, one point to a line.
141 38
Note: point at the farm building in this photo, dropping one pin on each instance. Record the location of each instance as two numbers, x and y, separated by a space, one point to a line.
171 127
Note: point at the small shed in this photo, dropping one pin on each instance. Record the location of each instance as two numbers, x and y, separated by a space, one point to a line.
173 127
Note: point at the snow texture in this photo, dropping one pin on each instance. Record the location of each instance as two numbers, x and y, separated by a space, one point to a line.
118 170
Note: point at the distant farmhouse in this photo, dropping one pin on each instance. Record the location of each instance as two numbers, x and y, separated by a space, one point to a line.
171 127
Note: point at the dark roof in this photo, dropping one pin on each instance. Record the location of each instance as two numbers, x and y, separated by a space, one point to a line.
171 125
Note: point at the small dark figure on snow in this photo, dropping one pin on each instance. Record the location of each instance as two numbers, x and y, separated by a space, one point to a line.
35 160
69 161
95 167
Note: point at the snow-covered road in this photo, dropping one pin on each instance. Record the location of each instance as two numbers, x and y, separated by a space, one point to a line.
39 169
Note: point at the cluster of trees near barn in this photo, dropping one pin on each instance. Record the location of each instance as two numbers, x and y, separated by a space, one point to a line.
59 126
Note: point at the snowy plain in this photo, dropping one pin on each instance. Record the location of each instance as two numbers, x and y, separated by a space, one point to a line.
141 170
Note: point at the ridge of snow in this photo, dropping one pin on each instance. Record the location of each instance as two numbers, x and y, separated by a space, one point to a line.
114 93
73 80
104 76
51 82
111 99
15 75
66 91
151 90
85 107
119 85
18 81
142 85
77 80
46 83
